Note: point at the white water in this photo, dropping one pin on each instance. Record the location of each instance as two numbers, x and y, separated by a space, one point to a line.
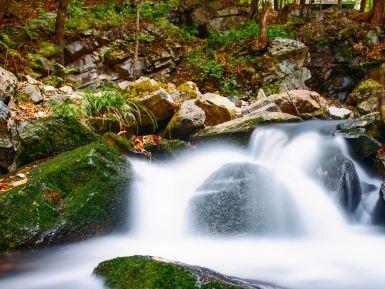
329 253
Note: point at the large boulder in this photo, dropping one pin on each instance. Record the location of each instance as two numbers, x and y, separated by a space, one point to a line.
240 198
339 176
309 104
75 195
218 109
378 214
361 134
39 138
187 120
240 129
368 96
30 92
7 85
144 272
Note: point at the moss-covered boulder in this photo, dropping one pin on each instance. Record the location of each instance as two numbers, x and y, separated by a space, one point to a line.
368 96
39 138
144 272
77 194
240 129
166 149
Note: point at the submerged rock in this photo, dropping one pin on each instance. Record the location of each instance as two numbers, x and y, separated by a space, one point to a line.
339 176
240 129
144 272
78 194
240 198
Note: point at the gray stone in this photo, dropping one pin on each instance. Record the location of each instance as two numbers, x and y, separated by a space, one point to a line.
78 48
4 113
7 85
31 93
187 120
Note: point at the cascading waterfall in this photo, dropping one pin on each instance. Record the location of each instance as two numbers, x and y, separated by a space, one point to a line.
306 242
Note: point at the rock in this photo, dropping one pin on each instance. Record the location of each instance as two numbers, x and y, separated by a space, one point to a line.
338 174
66 89
264 104
31 80
238 199
187 120
166 149
124 68
218 109
30 92
7 85
78 48
378 214
164 274
368 97
7 151
52 208
240 129
188 90
361 134
308 103
35 139
158 104
340 112
4 113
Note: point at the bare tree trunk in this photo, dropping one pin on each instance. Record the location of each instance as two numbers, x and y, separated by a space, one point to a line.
362 6
302 4
339 3
378 14
137 33
4 5
254 10
276 5
262 41
59 28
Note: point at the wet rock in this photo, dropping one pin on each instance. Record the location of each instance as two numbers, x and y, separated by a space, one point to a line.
39 138
361 134
187 120
338 174
238 199
368 96
31 93
308 103
166 149
218 109
165 274
240 129
52 208
378 214
7 85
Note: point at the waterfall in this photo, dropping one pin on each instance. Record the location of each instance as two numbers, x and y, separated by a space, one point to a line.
272 212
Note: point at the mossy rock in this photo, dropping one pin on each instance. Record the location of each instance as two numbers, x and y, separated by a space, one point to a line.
166 148
144 272
39 138
75 195
239 130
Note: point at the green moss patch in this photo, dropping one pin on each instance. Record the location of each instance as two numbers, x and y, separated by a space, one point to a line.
138 272
78 194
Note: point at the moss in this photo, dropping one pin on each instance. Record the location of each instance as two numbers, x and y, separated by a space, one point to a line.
119 142
72 196
39 138
143 88
167 148
146 273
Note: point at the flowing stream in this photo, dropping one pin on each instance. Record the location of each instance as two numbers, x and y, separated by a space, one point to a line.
310 244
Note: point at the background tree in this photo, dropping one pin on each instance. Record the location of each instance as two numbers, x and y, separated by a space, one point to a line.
362 6
4 5
377 19
262 40
60 27
137 33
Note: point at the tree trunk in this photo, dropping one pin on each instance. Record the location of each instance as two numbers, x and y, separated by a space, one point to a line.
4 5
339 3
137 33
254 10
378 14
276 5
362 6
59 28
302 4
262 41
